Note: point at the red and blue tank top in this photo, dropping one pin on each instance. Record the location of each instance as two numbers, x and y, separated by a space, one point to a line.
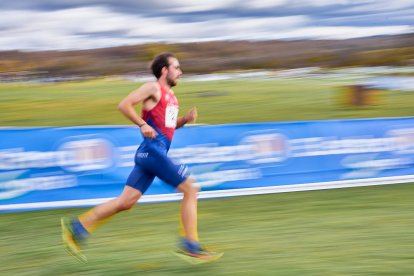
163 117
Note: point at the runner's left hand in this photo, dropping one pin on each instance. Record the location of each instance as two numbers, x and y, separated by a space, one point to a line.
191 115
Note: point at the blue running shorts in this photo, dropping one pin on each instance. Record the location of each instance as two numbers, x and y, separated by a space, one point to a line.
151 161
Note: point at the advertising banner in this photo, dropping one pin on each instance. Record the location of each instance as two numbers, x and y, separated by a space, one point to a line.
72 166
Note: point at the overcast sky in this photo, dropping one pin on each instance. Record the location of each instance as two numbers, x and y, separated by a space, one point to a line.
83 24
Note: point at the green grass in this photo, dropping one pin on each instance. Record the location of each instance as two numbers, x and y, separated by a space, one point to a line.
355 231
94 102
358 231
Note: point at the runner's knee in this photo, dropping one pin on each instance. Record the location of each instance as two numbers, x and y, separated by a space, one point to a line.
189 188
125 204
128 199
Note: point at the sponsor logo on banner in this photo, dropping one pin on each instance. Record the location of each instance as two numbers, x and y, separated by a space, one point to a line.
266 148
83 155
398 145
24 171
371 165
403 140
257 149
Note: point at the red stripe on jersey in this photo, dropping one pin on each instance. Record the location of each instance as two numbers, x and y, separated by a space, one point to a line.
163 116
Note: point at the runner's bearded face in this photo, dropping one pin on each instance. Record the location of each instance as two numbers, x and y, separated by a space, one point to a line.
174 72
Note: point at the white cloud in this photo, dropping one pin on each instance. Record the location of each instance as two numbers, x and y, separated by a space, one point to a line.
377 6
199 6
262 4
320 3
343 32
242 28
81 28
98 26
65 29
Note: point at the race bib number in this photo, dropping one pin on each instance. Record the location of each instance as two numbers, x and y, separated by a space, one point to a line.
171 115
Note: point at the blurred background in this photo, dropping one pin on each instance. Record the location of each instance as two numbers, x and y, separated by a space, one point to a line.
69 63
347 54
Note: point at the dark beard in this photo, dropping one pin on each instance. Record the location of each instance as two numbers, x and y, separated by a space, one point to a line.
171 83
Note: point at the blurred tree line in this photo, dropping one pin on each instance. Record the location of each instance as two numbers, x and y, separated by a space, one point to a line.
215 56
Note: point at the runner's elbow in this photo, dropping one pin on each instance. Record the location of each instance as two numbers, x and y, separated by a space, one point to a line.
122 106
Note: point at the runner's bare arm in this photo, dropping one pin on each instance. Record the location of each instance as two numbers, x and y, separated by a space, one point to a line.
127 107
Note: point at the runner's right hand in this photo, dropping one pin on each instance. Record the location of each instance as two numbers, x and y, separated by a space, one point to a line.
148 131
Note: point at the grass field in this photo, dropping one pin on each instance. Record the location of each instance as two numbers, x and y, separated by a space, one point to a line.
94 102
355 231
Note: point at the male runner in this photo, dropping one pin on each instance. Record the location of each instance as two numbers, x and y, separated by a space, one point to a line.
157 124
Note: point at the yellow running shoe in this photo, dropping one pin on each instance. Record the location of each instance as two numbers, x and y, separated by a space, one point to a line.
194 253
70 241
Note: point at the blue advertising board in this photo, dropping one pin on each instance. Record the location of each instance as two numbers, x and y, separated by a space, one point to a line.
77 166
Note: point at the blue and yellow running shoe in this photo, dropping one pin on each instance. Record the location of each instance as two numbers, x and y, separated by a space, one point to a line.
194 253
71 241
